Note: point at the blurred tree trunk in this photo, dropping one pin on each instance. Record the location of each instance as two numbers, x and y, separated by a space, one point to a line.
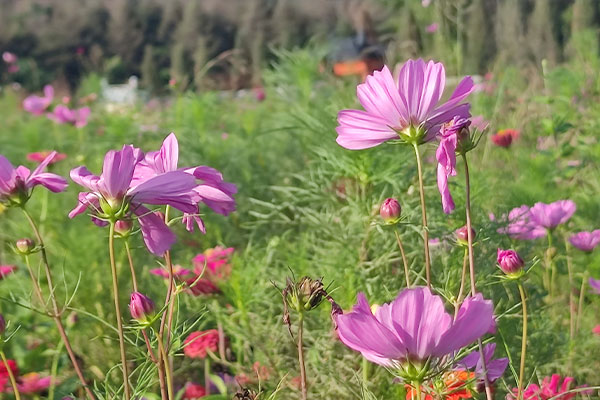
540 35
584 15
510 32
150 78
479 33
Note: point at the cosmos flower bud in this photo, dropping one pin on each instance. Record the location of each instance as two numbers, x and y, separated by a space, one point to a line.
310 292
2 325
390 210
510 262
123 227
25 246
462 235
141 307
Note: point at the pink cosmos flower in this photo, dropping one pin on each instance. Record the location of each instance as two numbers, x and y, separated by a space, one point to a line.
198 343
479 123
210 188
415 327
521 226
406 108
178 272
495 367
596 330
42 155
36 104
9 58
13 68
446 157
16 184
433 28
586 241
33 383
551 215
115 194
64 115
548 389
6 270
216 261
194 391
595 285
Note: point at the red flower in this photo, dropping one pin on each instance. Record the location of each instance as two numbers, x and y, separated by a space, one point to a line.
41 156
197 343
194 391
4 377
505 137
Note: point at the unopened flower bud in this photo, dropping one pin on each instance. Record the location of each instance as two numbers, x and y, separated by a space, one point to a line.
2 325
310 292
390 211
510 262
462 235
141 307
123 227
25 246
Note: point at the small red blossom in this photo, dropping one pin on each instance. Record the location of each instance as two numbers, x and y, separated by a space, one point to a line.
194 391
455 383
198 287
40 156
505 137
198 343
6 270
596 330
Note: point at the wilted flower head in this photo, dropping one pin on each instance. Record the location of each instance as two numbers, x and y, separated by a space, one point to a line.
115 195
210 187
36 104
198 343
495 367
40 156
408 109
586 241
16 184
549 389
451 133
413 328
64 115
390 210
33 383
551 215
505 137
510 262
141 307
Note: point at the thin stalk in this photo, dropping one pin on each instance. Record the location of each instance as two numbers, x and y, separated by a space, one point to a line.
423 217
57 314
301 357
149 346
581 298
549 262
36 284
463 279
115 282
523 341
572 306
403 256
131 268
418 390
161 363
54 371
13 382
365 372
207 375
488 388
165 358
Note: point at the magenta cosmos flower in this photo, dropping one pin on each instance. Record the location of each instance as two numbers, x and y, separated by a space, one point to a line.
586 241
33 383
64 115
408 109
551 215
413 328
551 388
521 225
495 367
38 104
210 188
114 195
17 184
595 285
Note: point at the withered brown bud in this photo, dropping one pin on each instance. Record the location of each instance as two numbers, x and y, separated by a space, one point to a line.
310 292
245 394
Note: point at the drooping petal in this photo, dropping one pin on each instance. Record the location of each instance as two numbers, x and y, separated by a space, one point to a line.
219 201
157 235
360 130
362 332
50 181
379 96
421 320
189 220
446 156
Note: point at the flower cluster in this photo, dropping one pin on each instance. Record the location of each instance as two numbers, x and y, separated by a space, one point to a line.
61 114
528 223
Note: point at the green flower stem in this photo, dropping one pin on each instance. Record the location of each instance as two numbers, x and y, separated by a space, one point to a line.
418 390
165 358
54 370
401 247
571 296
207 375
423 217
488 388
13 382
523 341
581 298
132 269
56 316
115 283
463 278
301 356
